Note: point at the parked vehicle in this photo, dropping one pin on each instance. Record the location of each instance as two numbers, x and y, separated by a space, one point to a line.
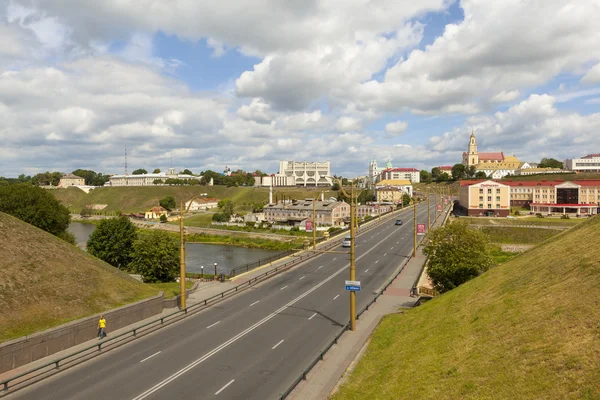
347 241
399 222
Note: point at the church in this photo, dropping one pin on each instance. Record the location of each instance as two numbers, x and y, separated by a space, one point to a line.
495 164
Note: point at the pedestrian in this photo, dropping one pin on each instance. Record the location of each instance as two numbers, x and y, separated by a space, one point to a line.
101 328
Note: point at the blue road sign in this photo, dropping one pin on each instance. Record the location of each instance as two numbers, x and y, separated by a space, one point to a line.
353 288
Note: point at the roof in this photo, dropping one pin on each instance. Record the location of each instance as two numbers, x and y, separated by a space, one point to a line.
564 205
157 209
400 170
162 175
445 168
304 205
204 200
543 182
394 182
597 155
70 176
511 159
491 156
497 166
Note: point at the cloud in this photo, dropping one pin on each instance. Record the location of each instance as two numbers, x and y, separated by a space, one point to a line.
504 96
257 111
348 124
592 76
396 128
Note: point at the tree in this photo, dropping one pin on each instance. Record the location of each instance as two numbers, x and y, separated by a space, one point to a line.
226 207
139 171
168 203
187 172
444 177
405 200
155 256
365 196
458 172
156 171
480 175
86 211
112 241
220 217
425 176
470 171
335 186
435 173
35 206
550 163
456 255
163 218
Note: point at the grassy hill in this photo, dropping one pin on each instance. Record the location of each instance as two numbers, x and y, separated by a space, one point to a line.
554 177
139 199
44 281
528 329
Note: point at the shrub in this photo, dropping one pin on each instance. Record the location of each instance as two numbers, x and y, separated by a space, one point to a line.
565 216
539 215
517 212
163 218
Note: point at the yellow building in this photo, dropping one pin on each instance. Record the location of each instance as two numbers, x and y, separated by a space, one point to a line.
156 212
484 198
392 190
71 180
494 164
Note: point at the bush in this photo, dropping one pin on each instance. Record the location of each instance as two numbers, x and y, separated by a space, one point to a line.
163 218
112 241
517 212
155 256
539 215
219 217
295 229
565 216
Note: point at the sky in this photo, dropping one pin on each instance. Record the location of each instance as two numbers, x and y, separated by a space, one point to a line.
204 85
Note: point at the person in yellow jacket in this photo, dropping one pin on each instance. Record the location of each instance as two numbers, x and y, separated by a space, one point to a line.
101 327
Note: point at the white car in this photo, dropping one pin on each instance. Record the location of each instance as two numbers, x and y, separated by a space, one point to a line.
347 242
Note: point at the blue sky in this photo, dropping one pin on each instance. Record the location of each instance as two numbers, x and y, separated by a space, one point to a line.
250 84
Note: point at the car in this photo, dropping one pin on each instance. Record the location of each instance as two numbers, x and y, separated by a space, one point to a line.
399 222
347 242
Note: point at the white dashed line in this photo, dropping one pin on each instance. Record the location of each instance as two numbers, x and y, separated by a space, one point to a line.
336 297
224 387
384 254
210 326
149 357
302 278
376 261
254 303
312 316
335 258
366 270
392 248
283 287
273 348
320 267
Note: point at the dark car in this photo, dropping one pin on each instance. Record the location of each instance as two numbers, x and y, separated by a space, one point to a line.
398 222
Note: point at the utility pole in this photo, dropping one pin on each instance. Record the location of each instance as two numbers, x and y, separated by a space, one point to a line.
181 257
428 209
352 263
314 224
415 230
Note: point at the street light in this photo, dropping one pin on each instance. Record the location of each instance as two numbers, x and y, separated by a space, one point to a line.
202 270
215 277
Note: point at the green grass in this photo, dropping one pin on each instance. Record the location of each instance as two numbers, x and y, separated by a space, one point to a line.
140 199
501 256
45 281
170 289
250 242
515 235
527 329
521 221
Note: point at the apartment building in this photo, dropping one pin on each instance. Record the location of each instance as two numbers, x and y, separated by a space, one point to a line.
484 198
148 179
589 163
305 173
328 213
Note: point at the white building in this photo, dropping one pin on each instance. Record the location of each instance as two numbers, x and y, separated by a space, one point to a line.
202 204
274 180
410 174
589 163
148 179
307 173
373 172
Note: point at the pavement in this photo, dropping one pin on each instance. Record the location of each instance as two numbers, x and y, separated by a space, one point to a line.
252 345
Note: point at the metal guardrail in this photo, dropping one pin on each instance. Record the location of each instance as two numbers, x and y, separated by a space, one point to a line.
47 369
255 264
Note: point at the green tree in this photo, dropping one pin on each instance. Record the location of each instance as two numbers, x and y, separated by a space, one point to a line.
156 171
458 172
405 199
155 256
139 171
35 206
366 196
335 186
187 172
444 177
168 203
226 207
425 176
456 254
470 171
163 218
86 211
112 241
550 163
220 217
480 175
435 173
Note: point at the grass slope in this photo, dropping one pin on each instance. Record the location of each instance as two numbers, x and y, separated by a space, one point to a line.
44 281
139 199
528 329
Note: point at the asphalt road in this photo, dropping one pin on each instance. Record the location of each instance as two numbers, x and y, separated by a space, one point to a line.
251 346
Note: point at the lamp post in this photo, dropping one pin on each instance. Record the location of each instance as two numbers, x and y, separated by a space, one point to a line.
215 276
202 270
415 229
428 209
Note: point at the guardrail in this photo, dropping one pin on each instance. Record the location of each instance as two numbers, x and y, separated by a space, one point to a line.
47 369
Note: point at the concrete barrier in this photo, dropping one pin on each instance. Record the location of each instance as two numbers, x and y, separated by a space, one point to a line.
21 351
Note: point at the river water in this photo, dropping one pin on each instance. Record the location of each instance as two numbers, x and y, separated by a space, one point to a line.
196 254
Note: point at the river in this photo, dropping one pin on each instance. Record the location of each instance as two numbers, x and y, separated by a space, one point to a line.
196 254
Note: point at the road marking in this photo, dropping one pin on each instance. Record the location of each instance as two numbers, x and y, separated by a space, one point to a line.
384 254
224 387
283 287
376 261
149 357
366 270
335 258
302 278
312 316
273 348
234 339
392 248
210 326
320 267
397 242
336 297
254 303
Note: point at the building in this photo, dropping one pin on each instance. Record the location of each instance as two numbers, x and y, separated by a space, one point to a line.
589 163
473 158
156 212
202 204
275 180
148 179
307 173
410 174
534 171
393 190
484 198
328 213
580 197
373 210
373 173
495 165
70 180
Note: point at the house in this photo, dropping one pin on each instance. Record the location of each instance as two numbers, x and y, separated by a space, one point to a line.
70 180
373 210
236 218
411 174
202 204
328 213
149 179
392 190
156 212
254 217
484 198
589 163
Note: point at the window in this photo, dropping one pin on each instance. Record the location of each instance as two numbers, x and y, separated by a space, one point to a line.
497 205
489 198
480 198
497 191
480 190
489 191
480 205
497 198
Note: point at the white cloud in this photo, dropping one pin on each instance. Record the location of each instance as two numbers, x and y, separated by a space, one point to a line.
592 76
504 96
348 124
257 110
396 128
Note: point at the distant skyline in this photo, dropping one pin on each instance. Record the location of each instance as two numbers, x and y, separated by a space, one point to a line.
248 84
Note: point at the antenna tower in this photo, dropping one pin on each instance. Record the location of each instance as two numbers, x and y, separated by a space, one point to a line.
125 164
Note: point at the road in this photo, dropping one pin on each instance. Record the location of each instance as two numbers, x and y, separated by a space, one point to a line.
251 346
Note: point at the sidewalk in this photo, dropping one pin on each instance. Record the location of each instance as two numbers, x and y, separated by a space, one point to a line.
205 290
338 362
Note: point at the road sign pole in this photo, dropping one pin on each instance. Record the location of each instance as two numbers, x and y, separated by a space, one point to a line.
352 265
415 229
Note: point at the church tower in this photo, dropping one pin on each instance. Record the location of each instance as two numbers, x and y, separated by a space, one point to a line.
471 157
